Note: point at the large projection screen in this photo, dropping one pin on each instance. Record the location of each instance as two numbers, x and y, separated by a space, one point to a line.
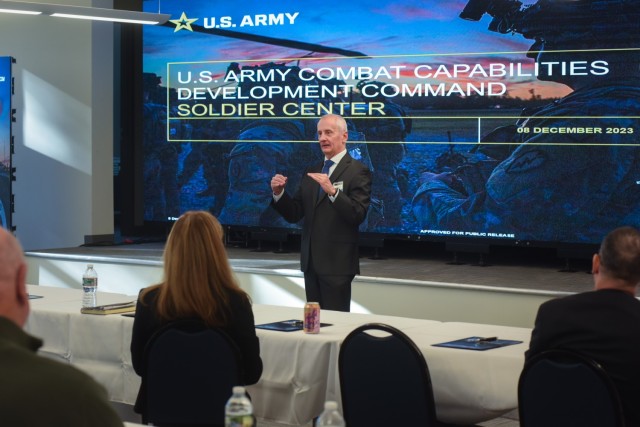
511 123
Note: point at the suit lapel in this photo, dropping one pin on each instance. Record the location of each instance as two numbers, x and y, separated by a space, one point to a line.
342 166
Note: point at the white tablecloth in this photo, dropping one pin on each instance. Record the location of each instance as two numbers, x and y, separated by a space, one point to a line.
300 370
96 344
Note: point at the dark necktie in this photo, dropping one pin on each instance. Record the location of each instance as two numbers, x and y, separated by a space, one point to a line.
327 166
325 170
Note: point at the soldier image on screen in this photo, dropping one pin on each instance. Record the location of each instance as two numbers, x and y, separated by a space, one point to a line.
213 157
162 194
543 186
386 135
257 155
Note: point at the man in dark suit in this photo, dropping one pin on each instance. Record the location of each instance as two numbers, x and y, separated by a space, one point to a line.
333 199
603 324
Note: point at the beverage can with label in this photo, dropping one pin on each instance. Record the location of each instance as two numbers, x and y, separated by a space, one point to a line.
311 323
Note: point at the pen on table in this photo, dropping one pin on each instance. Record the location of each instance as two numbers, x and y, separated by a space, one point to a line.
294 322
481 339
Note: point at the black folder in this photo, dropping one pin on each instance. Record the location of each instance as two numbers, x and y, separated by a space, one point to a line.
286 325
477 343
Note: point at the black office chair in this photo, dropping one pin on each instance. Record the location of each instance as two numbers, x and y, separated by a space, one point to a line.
384 380
190 372
559 388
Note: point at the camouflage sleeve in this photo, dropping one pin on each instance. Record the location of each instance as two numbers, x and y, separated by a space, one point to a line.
549 188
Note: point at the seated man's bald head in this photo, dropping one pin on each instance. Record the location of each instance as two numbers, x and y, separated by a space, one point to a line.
14 301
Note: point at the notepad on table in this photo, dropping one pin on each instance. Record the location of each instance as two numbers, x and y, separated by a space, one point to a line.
477 343
286 325
123 307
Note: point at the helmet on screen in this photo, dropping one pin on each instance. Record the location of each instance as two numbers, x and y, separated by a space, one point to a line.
603 23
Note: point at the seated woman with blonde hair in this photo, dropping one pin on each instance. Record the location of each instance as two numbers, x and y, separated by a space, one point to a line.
198 284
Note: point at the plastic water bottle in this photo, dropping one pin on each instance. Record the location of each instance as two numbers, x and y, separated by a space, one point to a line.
330 416
89 286
239 410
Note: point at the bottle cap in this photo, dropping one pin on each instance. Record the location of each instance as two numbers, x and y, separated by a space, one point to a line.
331 405
89 265
238 389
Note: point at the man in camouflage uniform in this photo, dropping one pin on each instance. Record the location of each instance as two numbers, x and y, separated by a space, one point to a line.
256 157
550 186
385 135
162 194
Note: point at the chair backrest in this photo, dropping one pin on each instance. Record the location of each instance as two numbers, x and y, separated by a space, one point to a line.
190 372
560 388
384 379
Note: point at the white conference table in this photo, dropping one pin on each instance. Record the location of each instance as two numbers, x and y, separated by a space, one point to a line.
300 370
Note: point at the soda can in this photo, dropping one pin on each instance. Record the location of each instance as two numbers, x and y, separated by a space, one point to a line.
311 324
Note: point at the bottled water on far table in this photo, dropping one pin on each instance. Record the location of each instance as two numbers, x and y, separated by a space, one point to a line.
239 410
89 286
330 416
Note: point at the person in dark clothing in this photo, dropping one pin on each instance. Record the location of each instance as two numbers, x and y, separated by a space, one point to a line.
333 201
603 324
198 284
